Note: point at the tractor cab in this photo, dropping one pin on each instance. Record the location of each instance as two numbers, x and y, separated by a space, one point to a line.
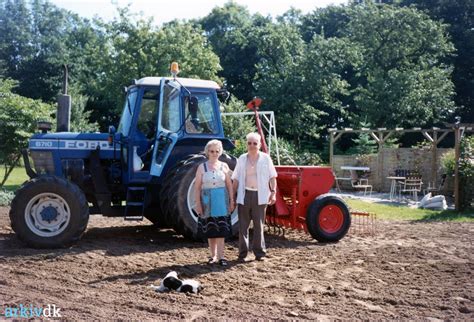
163 120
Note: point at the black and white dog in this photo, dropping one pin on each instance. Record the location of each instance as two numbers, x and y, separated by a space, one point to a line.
172 282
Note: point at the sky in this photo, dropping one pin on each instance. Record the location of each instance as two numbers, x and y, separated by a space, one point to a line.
164 11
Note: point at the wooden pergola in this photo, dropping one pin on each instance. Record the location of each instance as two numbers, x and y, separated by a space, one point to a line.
434 135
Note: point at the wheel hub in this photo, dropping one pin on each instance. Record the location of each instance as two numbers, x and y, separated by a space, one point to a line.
331 218
49 214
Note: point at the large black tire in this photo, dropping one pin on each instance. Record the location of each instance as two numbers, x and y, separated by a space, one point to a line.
177 193
166 192
49 212
328 218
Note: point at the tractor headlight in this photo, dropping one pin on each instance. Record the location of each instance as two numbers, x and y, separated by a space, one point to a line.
43 162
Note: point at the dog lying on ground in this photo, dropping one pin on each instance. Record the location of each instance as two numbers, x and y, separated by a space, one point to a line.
172 282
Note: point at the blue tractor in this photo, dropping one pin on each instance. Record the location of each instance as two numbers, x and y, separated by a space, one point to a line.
144 168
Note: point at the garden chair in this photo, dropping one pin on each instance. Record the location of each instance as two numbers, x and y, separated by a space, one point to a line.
411 185
360 183
433 188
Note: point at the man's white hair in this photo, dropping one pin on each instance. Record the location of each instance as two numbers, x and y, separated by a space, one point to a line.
254 135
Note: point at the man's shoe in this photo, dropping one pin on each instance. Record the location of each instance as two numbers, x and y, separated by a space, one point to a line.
260 258
244 259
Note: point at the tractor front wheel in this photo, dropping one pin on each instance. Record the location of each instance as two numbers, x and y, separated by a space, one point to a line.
328 218
49 212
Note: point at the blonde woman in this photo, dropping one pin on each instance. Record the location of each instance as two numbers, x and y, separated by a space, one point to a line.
214 201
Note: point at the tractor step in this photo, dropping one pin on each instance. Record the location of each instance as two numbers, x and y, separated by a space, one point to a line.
133 218
135 203
136 188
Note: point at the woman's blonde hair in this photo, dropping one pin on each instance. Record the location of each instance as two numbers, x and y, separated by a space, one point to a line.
216 143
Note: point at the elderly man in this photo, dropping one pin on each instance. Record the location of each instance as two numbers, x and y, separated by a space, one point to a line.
254 181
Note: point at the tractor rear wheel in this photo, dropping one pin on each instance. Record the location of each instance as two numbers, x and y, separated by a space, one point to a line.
49 212
328 218
178 196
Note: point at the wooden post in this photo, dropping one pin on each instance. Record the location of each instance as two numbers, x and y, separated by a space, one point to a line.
380 165
434 168
379 139
382 141
457 152
434 144
332 139
331 149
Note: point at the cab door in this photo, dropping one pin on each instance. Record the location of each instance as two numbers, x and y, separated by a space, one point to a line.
169 123
143 133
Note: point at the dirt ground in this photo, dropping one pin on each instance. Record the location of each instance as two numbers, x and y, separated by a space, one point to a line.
407 270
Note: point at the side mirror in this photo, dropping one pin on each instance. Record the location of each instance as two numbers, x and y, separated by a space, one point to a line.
223 95
112 132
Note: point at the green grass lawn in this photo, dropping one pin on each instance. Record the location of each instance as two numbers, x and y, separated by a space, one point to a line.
393 212
16 178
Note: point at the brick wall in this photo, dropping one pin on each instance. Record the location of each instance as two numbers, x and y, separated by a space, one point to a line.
392 159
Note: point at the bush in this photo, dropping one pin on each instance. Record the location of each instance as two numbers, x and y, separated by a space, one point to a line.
6 197
18 117
237 127
289 155
466 173
448 163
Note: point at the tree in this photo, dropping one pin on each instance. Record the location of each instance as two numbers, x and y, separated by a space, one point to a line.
403 80
279 79
15 35
329 22
80 117
303 82
364 143
231 30
34 41
236 127
18 117
459 17
328 64
135 49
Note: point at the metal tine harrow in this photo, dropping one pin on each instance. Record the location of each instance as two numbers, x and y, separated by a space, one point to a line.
363 223
272 227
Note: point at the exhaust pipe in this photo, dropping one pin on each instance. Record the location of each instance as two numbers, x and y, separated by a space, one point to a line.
63 114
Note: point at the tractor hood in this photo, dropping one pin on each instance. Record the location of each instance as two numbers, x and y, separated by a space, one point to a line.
69 141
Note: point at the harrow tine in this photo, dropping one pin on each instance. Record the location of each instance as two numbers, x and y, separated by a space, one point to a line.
363 223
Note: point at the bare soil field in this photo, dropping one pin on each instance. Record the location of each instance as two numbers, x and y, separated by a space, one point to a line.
407 270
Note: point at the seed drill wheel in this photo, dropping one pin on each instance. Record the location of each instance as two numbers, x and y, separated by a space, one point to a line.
178 196
49 212
328 218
